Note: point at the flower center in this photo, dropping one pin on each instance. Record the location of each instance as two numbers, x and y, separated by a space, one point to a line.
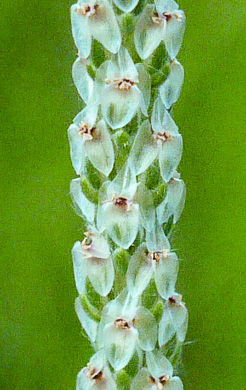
121 202
163 379
125 84
156 18
87 10
84 128
163 137
122 324
157 255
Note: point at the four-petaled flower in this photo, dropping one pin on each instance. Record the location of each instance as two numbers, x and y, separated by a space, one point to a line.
164 21
174 320
124 88
124 327
92 259
92 139
94 18
158 375
153 258
96 376
162 139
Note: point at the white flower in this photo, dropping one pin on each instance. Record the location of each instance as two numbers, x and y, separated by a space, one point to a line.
164 21
126 5
174 320
158 376
124 326
171 88
174 201
96 376
125 89
118 213
162 140
92 139
153 259
92 258
94 18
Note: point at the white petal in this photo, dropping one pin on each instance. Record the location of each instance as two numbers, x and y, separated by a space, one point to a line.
139 271
142 381
156 240
124 184
174 383
82 80
77 151
99 84
161 120
166 5
83 382
87 116
101 274
179 315
146 325
173 203
89 325
148 34
182 330
85 208
104 27
79 267
174 33
123 306
158 365
100 149
145 87
146 207
167 328
80 31
102 199
144 149
118 106
126 65
166 273
179 209
170 156
126 5
171 88
121 225
119 345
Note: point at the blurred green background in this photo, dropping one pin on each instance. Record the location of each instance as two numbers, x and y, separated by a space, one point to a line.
42 347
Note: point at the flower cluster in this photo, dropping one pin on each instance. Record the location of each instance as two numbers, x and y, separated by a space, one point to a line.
125 149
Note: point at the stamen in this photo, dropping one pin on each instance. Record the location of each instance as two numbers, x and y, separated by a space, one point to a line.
122 324
125 84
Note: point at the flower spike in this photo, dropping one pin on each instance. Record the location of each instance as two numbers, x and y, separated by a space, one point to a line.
126 148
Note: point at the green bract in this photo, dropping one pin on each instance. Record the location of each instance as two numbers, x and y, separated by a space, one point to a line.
125 149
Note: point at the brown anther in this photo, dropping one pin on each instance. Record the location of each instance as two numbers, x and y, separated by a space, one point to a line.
167 16
152 379
172 301
125 84
163 379
121 202
156 256
164 137
84 128
156 18
122 324
98 376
